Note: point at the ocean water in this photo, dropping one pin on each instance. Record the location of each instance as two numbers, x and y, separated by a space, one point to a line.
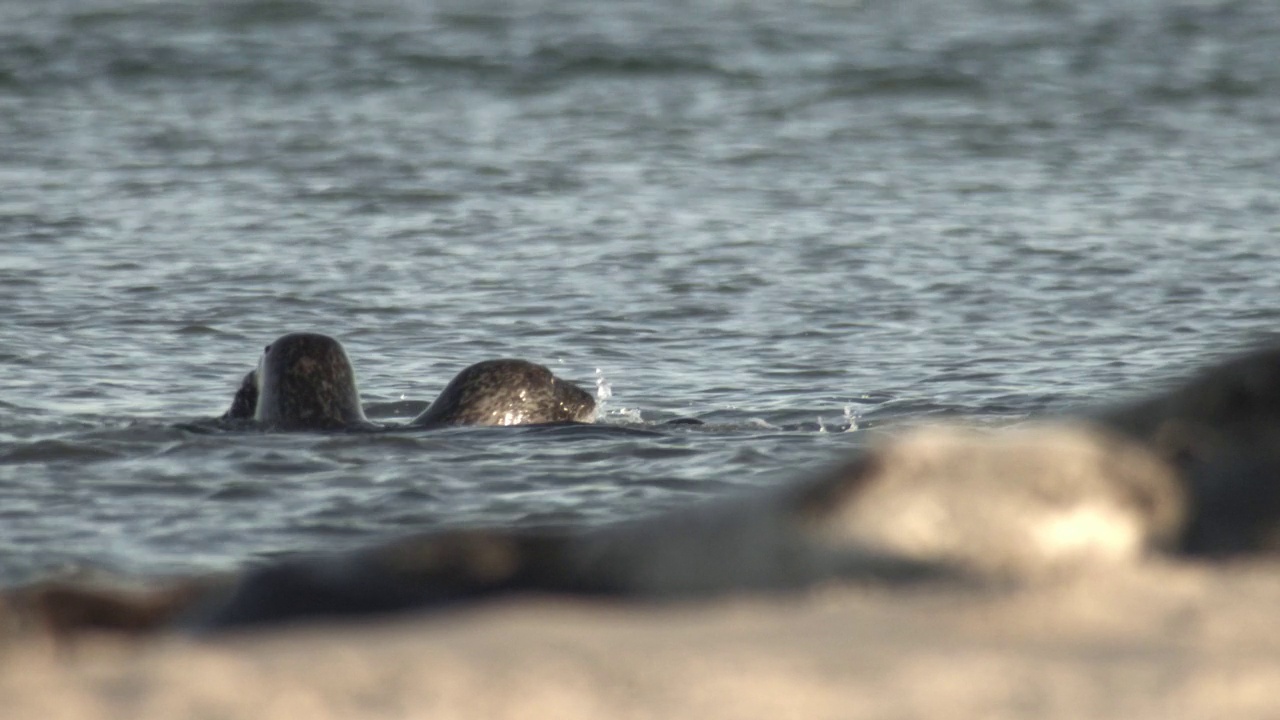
796 222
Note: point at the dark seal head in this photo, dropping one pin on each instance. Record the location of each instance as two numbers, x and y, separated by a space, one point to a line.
508 392
304 381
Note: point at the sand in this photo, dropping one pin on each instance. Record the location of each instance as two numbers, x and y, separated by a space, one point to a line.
1161 640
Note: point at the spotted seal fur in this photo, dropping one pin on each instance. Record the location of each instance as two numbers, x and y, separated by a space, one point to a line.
507 392
304 381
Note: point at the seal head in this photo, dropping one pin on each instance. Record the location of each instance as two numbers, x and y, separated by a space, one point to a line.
508 392
304 381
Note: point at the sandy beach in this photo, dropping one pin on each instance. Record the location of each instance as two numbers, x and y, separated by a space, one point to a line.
1162 640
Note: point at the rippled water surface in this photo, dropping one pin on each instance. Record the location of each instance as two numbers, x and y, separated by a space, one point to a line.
788 220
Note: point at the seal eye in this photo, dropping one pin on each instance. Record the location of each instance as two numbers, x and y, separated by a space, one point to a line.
266 349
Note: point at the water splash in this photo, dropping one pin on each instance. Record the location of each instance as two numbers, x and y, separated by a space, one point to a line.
850 418
604 390
848 421
628 416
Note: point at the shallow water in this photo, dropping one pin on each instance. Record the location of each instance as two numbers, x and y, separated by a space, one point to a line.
788 220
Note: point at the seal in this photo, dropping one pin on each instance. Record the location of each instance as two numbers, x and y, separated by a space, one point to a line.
1221 431
758 543
508 392
245 403
304 381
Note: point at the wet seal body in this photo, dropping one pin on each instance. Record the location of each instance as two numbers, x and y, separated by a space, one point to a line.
508 392
304 381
